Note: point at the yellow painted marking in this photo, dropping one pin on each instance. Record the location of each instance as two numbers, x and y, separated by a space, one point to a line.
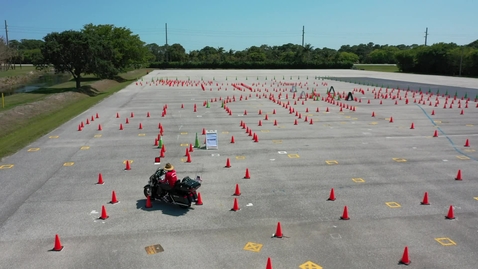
281 126
293 156
310 115
69 164
184 133
141 134
476 198
255 247
54 136
130 161
393 204
310 265
6 166
98 136
469 150
358 180
445 241
327 125
387 119
331 162
437 121
33 149
462 157
277 141
264 131
184 145
184 160
348 117
373 123
85 147
399 160
469 125
153 249
225 132
240 157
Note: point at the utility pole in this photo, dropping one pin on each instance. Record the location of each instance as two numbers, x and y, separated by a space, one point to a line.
6 32
426 36
303 32
166 54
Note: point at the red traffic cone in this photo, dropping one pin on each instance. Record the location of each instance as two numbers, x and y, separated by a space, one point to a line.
58 246
278 233
412 126
148 202
132 115
232 139
295 122
467 143
128 166
260 123
247 176
99 127
113 198
332 195
127 121
187 152
450 214
79 127
191 148
189 158
237 192
228 163
121 126
199 201
266 117
87 121
117 115
458 175
140 126
100 179
425 199
275 122
269 264
256 138
148 115
433 112
435 134
345 215
235 206
203 131
161 153
391 119
104 215
373 114
245 112
405 259
260 112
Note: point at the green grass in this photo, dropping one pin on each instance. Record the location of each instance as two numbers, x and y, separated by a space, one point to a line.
17 71
34 128
378 67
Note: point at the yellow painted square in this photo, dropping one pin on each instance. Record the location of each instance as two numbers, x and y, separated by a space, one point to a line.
98 136
462 157
331 162
184 145
141 134
327 125
445 241
254 247
33 149
393 204
225 132
264 131
358 180
6 166
310 115
387 119
469 125
54 136
469 150
293 156
373 123
310 265
184 160
437 121
354 118
476 198
399 160
277 141
69 164
240 157
184 133
85 148
130 161
281 126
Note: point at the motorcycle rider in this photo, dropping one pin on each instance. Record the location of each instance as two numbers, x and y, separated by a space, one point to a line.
171 176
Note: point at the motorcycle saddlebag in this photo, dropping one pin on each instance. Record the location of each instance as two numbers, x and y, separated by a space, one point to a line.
188 184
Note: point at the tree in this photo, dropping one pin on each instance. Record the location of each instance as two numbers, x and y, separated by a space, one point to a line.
176 53
158 52
405 60
348 57
68 51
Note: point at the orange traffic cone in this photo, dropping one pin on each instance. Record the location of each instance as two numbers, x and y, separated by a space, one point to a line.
260 123
467 143
435 134
121 126
235 206
228 163
238 191
332 195
140 126
278 233
187 152
405 259
458 175
247 176
391 119
104 215
425 199
127 121
412 126
191 148
189 158
232 139
450 214
199 201
113 198
148 202
269 263
345 215
128 166
100 179
58 246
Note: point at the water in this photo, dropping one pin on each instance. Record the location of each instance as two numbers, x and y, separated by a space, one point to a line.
42 82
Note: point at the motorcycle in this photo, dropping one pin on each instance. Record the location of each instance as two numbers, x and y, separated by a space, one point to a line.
182 194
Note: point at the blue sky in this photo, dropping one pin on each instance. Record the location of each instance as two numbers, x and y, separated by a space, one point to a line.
239 24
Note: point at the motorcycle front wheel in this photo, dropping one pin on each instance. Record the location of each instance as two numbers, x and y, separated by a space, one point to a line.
147 192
